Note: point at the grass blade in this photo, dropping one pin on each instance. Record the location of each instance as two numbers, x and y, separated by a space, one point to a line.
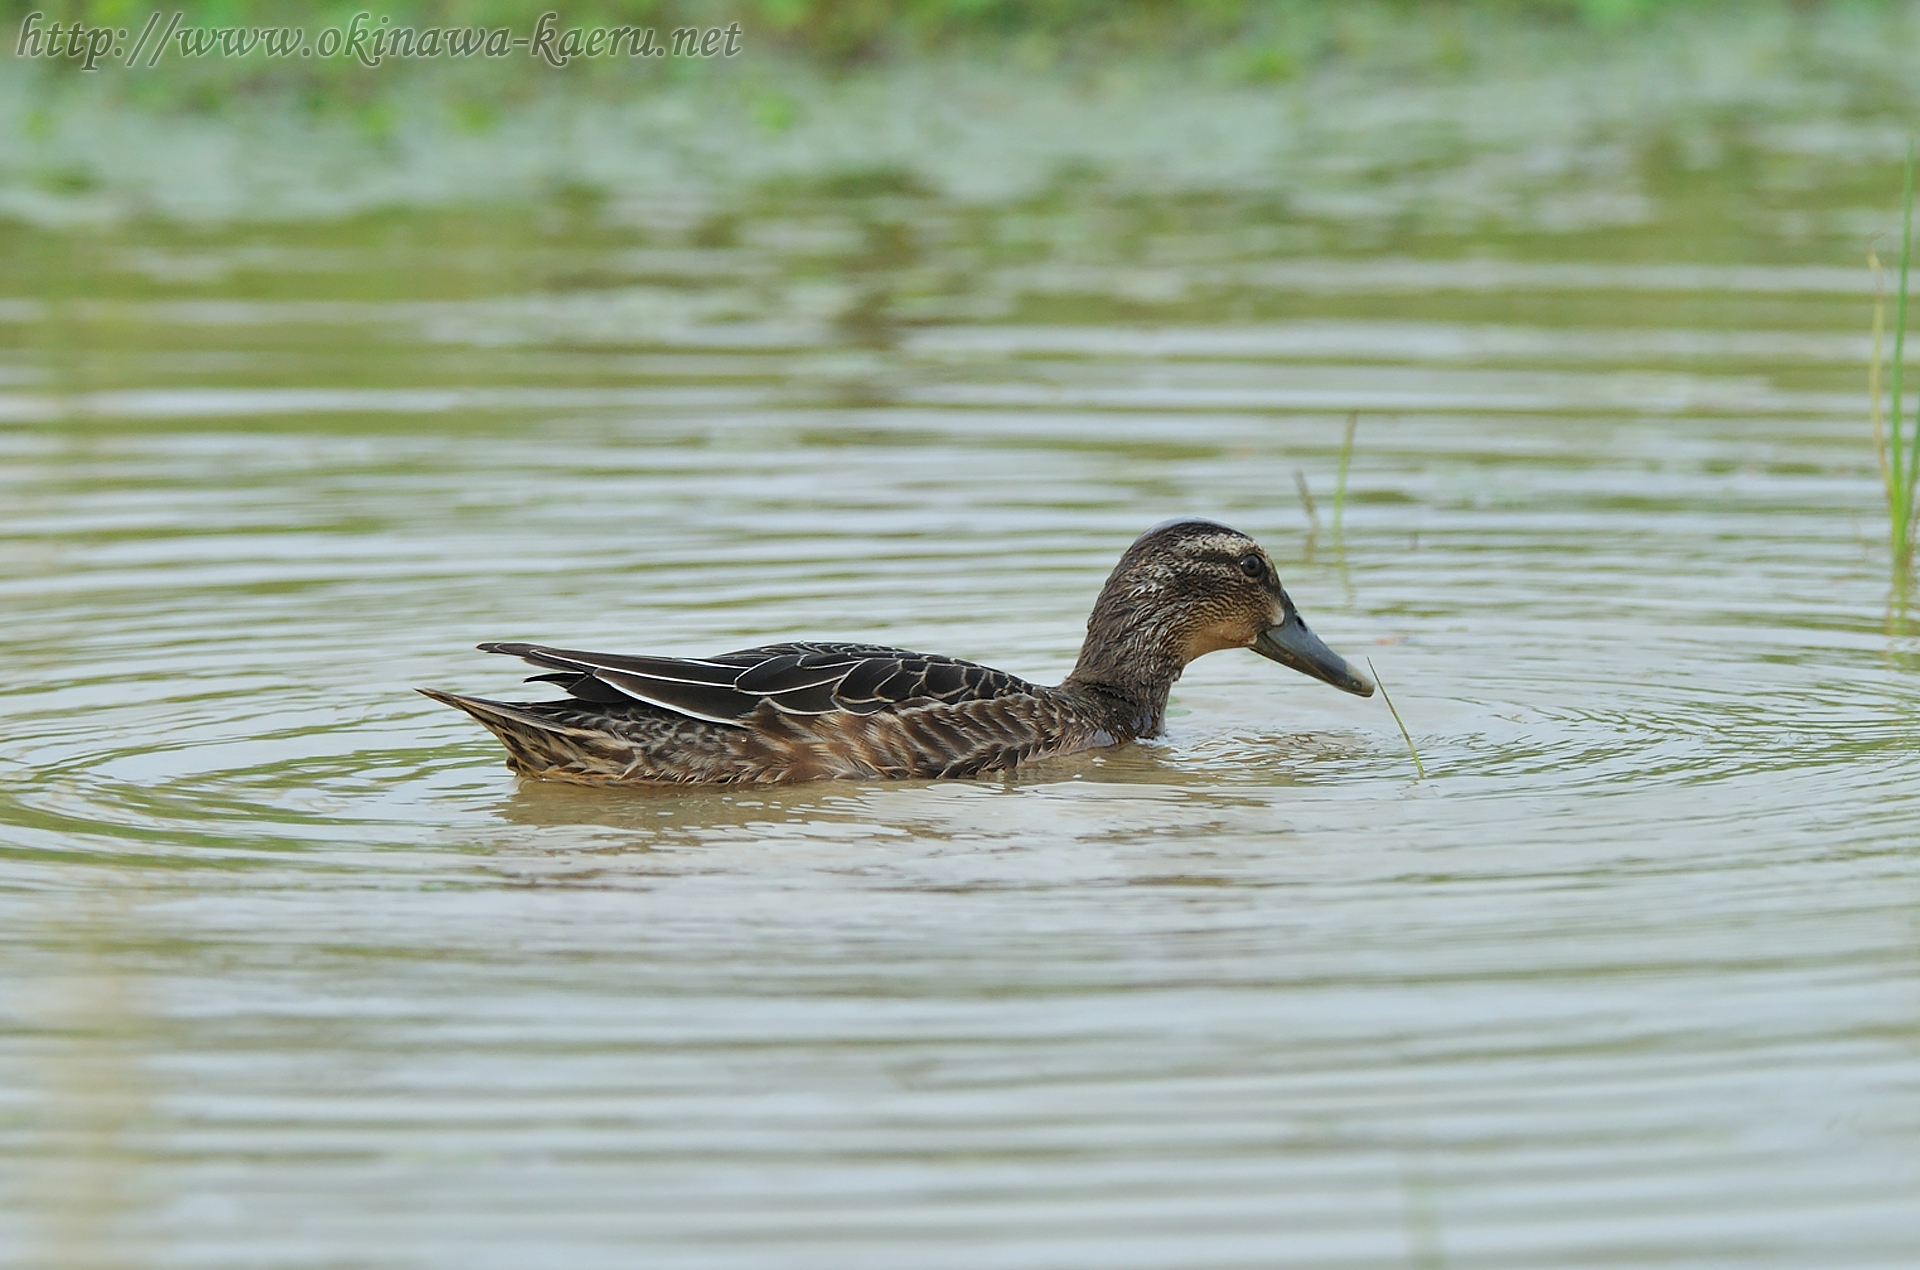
1907 481
1900 490
1340 482
1306 501
1876 403
1419 768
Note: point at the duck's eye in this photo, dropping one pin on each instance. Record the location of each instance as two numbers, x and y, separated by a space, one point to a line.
1253 565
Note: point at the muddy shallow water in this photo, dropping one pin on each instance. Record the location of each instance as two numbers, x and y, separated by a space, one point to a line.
298 974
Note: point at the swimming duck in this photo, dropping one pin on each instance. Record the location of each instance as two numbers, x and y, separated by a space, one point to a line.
807 710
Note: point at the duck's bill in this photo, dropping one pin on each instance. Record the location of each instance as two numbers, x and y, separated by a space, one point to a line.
1291 644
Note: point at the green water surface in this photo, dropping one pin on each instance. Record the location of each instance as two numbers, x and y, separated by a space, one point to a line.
297 974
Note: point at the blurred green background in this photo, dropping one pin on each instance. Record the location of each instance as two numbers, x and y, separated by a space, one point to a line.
844 80
1247 40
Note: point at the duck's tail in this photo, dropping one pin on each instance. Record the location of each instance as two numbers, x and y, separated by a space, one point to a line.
539 744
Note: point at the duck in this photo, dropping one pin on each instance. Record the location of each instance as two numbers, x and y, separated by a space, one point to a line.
814 710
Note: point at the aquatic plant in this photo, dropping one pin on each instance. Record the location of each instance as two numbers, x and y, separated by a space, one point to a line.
1340 481
1306 505
1419 768
1897 449
238 54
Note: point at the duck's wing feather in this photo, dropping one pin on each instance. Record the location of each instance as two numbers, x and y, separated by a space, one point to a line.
799 678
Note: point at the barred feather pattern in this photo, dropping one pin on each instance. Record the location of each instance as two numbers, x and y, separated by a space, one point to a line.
596 744
818 709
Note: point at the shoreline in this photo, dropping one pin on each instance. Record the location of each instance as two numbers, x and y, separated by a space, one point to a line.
1546 132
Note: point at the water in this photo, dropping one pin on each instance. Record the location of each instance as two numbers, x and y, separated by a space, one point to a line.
298 974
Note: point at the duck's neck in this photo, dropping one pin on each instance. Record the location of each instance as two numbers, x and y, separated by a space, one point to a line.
1126 668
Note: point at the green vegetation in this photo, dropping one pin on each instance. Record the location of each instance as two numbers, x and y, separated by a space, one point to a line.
1419 768
1897 449
859 28
1248 40
1306 503
1340 481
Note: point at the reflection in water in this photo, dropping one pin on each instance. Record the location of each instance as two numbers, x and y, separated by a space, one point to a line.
80 1148
1628 980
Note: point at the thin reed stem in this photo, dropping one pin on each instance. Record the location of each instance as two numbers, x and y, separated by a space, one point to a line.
1340 482
1419 768
1876 405
1900 488
1910 479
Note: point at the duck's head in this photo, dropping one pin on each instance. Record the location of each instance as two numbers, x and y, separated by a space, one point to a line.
1186 588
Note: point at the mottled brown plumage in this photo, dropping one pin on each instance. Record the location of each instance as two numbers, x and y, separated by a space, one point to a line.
808 711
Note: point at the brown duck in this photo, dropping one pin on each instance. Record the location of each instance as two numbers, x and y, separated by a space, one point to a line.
807 711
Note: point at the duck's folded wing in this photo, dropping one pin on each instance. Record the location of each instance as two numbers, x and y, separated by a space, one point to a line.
799 678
